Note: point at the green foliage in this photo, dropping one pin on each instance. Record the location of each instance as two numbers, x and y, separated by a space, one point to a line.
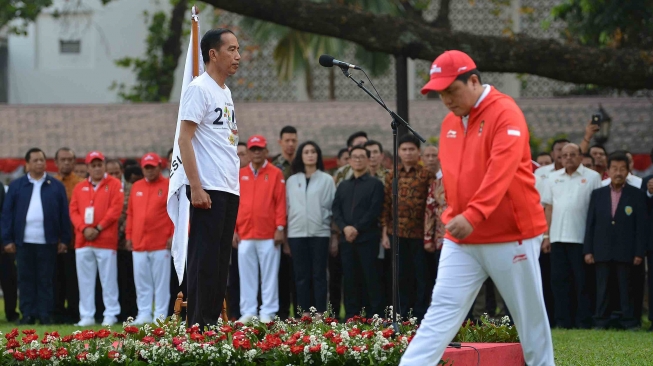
607 23
488 331
25 11
155 71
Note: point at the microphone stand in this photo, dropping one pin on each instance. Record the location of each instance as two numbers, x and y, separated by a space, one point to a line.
396 121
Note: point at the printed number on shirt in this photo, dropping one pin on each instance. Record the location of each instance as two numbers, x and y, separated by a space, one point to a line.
217 120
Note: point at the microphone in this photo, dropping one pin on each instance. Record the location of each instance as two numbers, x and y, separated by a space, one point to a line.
329 61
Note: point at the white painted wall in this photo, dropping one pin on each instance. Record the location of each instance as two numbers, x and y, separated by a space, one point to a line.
40 74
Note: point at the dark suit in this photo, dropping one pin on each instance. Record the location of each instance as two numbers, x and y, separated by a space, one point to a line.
8 276
649 254
615 242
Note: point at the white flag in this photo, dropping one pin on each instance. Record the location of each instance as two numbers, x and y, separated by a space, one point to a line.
178 204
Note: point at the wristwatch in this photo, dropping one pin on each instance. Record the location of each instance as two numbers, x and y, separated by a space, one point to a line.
280 227
545 236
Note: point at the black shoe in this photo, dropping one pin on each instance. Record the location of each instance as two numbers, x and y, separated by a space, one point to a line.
13 318
27 320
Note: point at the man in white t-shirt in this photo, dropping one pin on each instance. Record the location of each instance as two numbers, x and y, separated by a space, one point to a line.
566 200
208 140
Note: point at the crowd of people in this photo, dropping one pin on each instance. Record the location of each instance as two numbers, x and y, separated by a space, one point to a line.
91 243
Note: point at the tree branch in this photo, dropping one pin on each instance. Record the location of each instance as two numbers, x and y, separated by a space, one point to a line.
623 69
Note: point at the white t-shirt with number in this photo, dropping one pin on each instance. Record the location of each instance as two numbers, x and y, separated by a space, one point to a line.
216 138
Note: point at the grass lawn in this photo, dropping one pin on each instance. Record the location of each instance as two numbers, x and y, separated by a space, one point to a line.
572 347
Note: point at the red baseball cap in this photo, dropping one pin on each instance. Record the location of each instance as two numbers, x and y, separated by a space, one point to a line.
150 159
94 155
256 141
446 68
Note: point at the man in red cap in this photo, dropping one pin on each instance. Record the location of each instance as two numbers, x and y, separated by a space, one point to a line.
149 236
494 221
95 207
259 232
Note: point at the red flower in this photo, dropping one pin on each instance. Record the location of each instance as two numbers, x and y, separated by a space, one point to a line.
82 356
176 341
296 349
306 339
336 339
222 337
103 333
263 346
32 354
12 343
315 348
341 350
410 339
113 355
159 332
330 334
193 329
119 335
368 334
330 320
18 355
28 331
359 348
131 329
388 333
67 339
29 338
273 340
45 353
148 340
354 332
226 329
306 319
13 334
242 343
54 334
238 325
62 352
388 346
197 337
180 348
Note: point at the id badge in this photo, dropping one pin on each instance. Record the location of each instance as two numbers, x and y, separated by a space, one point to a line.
89 215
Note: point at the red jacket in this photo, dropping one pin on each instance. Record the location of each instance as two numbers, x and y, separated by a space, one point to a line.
262 202
487 173
148 225
107 201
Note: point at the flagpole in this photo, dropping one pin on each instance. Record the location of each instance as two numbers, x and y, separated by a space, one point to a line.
195 41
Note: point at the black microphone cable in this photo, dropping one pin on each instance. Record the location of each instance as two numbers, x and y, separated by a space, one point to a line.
457 345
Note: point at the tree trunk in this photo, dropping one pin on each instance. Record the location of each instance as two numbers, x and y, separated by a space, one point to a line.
171 49
624 69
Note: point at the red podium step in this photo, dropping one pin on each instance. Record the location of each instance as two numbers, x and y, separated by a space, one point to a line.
491 354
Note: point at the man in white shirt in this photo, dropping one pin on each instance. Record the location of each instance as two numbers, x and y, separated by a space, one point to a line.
35 226
566 201
631 180
543 172
208 140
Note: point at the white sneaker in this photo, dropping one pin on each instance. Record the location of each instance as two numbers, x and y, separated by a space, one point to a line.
109 320
266 318
85 322
246 318
142 320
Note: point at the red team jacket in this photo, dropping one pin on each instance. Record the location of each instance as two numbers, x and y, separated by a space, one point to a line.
262 202
107 201
487 173
148 225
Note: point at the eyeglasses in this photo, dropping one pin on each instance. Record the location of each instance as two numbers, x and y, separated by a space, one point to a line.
357 157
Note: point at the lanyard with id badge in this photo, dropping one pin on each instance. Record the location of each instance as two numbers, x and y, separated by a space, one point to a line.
89 213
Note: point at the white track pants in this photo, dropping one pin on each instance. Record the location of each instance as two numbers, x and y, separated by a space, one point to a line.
251 254
514 269
152 280
89 260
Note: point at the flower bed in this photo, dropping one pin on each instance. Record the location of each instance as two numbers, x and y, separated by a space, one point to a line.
309 340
